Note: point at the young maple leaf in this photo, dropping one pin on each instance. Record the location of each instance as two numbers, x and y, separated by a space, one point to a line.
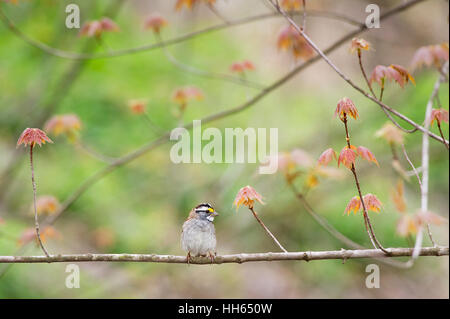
68 124
397 195
327 156
429 218
104 237
290 39
354 205
30 233
49 232
347 156
241 67
137 106
359 44
183 95
291 5
301 158
246 197
399 74
191 3
372 203
288 163
33 136
365 153
391 133
430 55
98 27
407 77
439 115
406 226
46 204
311 180
346 107
155 22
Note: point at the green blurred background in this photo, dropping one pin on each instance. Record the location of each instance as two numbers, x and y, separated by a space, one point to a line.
139 208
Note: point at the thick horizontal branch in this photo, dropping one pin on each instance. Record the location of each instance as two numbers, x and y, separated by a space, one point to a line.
237 258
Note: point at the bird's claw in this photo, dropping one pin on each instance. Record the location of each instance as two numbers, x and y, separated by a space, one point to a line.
212 257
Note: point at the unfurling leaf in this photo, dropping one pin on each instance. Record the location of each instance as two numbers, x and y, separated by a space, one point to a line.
366 154
345 108
33 136
246 197
327 156
347 156
398 198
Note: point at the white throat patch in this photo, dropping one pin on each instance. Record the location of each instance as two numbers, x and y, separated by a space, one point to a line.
210 218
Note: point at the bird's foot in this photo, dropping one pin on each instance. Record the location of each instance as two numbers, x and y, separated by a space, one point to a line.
188 258
212 256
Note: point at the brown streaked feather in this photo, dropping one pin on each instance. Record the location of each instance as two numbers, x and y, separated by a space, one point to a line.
192 214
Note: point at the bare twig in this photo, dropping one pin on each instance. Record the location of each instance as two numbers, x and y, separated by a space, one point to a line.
267 229
367 222
206 74
93 153
237 258
442 134
425 161
412 165
36 221
304 15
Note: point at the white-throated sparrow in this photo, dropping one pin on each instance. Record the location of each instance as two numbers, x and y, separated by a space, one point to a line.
198 236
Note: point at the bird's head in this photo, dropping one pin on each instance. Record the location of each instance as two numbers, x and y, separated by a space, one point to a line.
204 211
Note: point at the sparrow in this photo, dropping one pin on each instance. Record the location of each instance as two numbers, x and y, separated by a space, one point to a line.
198 237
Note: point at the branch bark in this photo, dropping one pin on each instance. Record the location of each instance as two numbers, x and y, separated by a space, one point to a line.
236 258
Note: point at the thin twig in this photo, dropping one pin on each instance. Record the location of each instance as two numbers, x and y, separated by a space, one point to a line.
412 165
267 229
217 13
206 74
237 258
425 162
304 15
36 221
153 126
93 153
367 222
442 134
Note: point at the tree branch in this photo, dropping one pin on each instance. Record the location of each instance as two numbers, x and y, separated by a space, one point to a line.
237 258
117 53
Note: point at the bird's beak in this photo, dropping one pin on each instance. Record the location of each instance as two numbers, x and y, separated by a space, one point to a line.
214 213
